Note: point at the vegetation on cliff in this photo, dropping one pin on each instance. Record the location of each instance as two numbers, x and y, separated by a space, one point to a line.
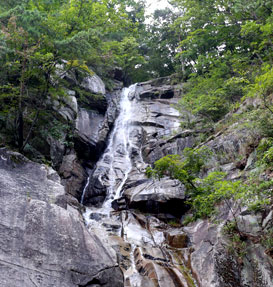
224 55
41 41
222 50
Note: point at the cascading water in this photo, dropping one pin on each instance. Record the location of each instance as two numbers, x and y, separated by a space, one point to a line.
119 147
117 156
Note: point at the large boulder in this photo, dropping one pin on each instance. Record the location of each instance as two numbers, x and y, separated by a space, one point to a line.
93 84
153 196
88 127
44 242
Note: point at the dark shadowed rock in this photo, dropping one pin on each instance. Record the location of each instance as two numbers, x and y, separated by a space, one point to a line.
93 127
73 175
57 150
88 126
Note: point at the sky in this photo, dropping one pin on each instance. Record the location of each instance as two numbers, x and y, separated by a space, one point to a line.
156 4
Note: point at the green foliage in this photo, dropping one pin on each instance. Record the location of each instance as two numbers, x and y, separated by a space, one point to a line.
212 190
56 129
265 124
159 45
225 52
37 37
267 239
188 219
204 194
237 246
125 54
265 153
185 168
174 223
263 84
259 195
268 157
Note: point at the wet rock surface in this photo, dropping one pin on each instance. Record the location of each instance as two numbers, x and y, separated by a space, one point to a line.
153 132
149 250
150 253
141 218
73 175
43 240
93 127
94 113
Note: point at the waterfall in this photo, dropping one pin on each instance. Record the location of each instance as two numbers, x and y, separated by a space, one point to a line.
117 156
139 241
119 147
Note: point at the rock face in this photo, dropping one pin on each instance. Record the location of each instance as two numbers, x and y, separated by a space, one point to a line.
161 197
93 84
43 240
88 126
152 131
231 144
70 108
92 113
149 251
132 234
216 261
140 218
93 126
73 175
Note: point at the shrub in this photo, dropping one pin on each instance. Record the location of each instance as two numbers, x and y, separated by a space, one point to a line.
203 194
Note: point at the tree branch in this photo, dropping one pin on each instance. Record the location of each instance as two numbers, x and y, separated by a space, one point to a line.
30 130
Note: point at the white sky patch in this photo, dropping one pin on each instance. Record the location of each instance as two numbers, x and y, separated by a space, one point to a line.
152 5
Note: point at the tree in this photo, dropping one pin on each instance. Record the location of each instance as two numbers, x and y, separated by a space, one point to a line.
39 36
30 56
224 48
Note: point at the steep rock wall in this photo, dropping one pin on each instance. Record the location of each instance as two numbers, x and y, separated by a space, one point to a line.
153 248
154 131
44 241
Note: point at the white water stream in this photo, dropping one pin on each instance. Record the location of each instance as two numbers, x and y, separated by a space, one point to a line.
119 147
118 152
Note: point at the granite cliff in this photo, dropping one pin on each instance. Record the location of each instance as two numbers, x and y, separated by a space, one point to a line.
126 230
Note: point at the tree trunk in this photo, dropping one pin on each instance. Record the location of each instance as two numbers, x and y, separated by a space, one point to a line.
30 130
20 127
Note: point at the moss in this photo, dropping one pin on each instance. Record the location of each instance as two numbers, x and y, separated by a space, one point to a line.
184 269
17 159
174 223
90 101
188 219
